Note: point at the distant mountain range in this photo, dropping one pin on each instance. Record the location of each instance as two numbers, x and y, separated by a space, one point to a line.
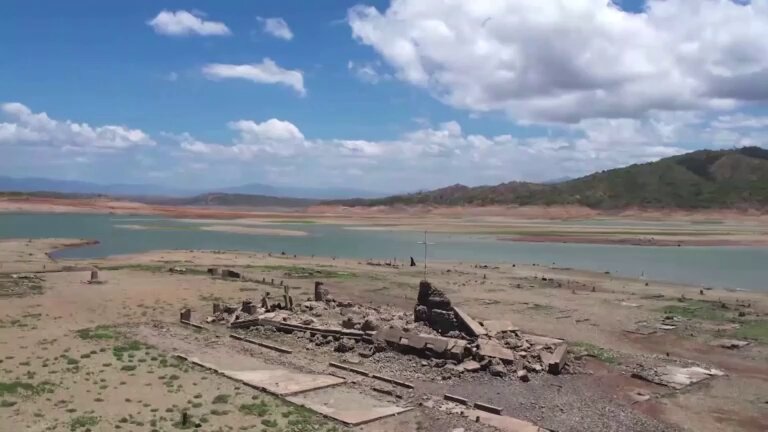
10 184
736 178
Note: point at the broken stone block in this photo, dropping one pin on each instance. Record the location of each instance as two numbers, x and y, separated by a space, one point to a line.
216 308
444 321
348 323
213 271
471 366
497 371
230 274
557 360
522 375
186 314
248 307
94 275
420 314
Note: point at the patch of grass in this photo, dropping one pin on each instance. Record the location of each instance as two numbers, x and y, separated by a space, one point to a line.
139 267
221 399
602 354
7 403
259 409
119 351
269 423
753 330
218 412
536 307
97 333
699 310
83 421
128 368
20 388
300 272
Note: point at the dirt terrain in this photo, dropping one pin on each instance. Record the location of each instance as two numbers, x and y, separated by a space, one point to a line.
80 356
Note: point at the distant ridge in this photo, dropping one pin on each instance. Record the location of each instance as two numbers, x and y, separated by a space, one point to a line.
36 184
736 178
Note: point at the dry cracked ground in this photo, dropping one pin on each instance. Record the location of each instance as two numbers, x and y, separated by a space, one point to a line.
99 357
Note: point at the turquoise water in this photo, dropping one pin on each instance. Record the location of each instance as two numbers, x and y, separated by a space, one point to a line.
729 267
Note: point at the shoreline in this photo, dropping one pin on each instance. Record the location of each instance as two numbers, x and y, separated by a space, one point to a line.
568 272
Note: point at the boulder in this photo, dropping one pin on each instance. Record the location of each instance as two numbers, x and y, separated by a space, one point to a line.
345 345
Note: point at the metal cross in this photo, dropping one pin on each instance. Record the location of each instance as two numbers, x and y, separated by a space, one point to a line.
425 253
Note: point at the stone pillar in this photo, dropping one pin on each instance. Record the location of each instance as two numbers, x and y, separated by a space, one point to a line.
321 294
216 308
94 275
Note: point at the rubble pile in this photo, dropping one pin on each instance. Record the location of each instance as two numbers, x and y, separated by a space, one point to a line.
445 336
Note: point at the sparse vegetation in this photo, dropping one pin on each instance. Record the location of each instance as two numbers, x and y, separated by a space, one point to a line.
83 421
300 272
221 399
24 389
259 409
97 333
701 179
592 350
753 330
698 309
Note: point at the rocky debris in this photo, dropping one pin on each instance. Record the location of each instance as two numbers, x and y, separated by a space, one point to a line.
497 370
345 345
214 271
369 325
175 270
227 273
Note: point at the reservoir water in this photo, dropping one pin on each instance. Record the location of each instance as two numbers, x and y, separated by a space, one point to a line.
717 267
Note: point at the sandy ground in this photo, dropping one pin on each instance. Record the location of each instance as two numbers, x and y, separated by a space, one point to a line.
254 231
140 299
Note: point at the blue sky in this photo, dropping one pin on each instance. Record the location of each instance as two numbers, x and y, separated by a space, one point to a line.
381 95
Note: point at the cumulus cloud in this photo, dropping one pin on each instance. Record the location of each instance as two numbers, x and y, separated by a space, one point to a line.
564 61
271 138
183 23
276 27
741 121
368 72
422 156
266 72
28 128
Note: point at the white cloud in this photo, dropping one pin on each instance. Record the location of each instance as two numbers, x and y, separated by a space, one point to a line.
270 138
266 72
277 27
183 23
563 61
368 72
435 156
28 128
741 121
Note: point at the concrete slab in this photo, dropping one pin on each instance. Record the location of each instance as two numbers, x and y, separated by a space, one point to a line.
346 405
491 348
494 327
503 423
541 340
283 382
474 327
677 377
